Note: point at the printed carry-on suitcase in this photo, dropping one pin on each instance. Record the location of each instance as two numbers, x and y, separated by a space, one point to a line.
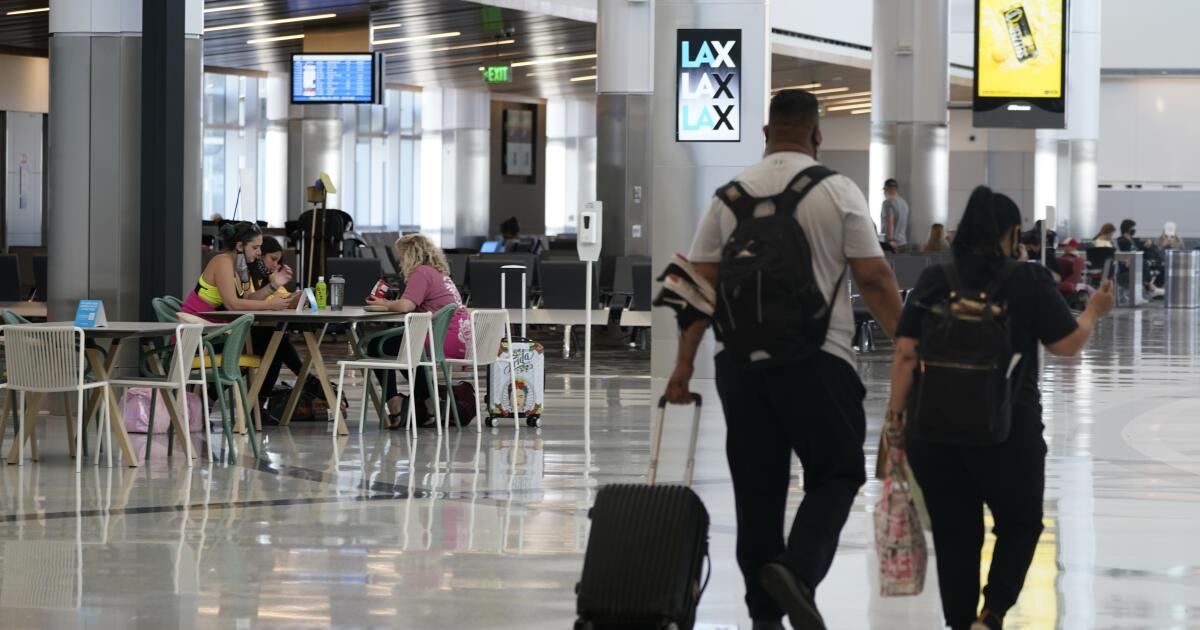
647 550
529 361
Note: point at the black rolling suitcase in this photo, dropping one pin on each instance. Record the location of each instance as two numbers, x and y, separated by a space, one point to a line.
647 550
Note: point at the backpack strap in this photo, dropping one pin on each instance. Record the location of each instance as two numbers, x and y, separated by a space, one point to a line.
738 200
799 187
1001 277
952 278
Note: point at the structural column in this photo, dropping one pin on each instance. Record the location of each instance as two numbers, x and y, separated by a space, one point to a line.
456 142
624 86
1065 167
910 86
685 174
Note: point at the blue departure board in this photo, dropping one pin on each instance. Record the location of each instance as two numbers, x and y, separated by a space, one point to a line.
333 78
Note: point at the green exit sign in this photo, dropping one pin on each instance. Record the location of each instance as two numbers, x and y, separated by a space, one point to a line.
497 74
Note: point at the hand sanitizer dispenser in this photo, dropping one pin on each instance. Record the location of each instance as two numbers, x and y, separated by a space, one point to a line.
591 221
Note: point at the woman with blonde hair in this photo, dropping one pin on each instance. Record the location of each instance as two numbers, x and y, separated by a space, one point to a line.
1105 237
937 239
428 288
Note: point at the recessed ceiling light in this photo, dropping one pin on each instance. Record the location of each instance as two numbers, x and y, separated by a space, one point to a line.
861 111
28 11
831 90
806 86
415 38
838 108
281 38
838 97
380 27
546 60
590 77
233 7
305 18
419 51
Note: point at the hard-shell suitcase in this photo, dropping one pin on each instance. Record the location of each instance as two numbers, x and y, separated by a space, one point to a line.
529 362
645 556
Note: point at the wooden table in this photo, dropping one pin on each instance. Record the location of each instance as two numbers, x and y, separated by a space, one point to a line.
102 369
35 310
312 324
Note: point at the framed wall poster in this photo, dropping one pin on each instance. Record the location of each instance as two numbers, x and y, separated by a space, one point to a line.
708 92
519 142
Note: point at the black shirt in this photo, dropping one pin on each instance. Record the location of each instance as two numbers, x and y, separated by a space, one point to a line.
1036 309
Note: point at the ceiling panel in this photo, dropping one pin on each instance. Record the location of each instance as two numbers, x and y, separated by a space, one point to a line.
24 34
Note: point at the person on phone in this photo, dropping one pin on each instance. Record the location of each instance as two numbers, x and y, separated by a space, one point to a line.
428 288
225 283
811 407
1009 477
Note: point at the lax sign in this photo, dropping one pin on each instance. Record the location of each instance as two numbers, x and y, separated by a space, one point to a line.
708 96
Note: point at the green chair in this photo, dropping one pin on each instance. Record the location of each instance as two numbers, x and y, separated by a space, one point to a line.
225 372
370 347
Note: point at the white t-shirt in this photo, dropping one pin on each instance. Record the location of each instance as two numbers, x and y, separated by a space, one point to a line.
835 218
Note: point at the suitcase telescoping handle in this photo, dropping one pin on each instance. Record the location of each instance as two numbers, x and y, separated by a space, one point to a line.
656 440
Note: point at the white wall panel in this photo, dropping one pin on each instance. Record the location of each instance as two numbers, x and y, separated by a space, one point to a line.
1149 130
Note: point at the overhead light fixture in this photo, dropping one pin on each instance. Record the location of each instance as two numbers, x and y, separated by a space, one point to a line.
806 86
861 111
305 18
546 60
418 51
861 101
842 107
832 90
381 27
415 38
281 38
554 71
28 11
838 97
233 7
590 77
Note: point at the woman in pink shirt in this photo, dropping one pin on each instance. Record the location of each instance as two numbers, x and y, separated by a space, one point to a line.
427 288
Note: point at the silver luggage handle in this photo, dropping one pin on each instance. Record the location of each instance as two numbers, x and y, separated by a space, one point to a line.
656 440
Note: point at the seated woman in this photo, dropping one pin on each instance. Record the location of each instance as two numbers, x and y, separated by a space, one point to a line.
937 239
427 288
225 283
1105 237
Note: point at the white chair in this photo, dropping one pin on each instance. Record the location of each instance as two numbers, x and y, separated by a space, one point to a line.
417 339
489 328
187 349
50 359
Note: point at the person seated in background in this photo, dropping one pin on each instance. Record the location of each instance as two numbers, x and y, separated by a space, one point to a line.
1126 242
1170 237
1152 258
225 283
428 287
260 337
937 239
1070 247
510 234
1105 237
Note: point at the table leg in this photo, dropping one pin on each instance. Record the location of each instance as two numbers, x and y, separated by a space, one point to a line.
376 397
260 375
290 408
33 401
318 363
102 370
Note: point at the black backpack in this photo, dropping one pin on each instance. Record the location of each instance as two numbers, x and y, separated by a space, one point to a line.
965 377
770 310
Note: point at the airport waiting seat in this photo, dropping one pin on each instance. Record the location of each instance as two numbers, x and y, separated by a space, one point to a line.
908 270
458 269
483 274
360 275
10 279
642 282
530 261
41 290
564 285
622 279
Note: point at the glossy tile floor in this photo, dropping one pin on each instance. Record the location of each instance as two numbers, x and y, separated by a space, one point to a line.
487 530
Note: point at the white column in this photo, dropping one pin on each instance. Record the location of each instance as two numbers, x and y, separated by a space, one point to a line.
685 174
1071 185
910 86
455 143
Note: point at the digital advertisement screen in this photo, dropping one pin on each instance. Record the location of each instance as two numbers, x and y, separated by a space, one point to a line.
708 94
333 78
1020 52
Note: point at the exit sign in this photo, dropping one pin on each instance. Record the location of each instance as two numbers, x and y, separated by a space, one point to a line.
497 74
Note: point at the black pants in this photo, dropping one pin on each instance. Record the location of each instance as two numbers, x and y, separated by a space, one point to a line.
260 337
813 409
957 481
390 348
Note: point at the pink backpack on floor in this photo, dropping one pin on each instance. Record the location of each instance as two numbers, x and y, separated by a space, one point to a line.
135 410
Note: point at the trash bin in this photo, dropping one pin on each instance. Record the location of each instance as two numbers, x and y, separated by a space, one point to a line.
1183 278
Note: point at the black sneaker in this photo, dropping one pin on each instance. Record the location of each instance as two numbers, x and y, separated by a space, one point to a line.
792 596
988 620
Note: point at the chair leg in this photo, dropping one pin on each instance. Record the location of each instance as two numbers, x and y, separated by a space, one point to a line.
150 422
69 415
80 448
5 409
451 401
21 429
108 429
431 376
366 400
241 384
337 403
207 420
412 401
230 448
478 397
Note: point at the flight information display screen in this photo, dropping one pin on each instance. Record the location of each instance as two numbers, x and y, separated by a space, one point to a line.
333 78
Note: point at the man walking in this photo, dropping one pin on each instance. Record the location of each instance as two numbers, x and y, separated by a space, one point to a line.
782 398
894 217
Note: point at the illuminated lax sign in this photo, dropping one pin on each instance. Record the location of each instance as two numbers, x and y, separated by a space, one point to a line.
708 97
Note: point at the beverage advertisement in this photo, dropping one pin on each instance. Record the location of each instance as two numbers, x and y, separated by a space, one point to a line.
1020 52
